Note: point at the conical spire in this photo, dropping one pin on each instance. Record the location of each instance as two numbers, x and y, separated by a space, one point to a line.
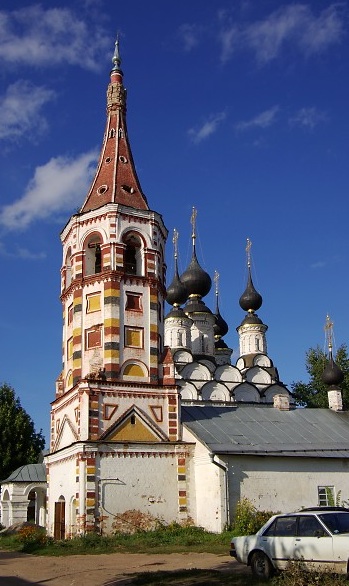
176 293
116 179
250 300
196 281
332 374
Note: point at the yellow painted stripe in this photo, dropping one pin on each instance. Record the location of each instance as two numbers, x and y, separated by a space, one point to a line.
90 502
111 354
111 322
91 469
76 332
153 328
111 291
182 500
172 409
181 469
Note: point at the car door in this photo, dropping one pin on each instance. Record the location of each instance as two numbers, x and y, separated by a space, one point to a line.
278 541
313 544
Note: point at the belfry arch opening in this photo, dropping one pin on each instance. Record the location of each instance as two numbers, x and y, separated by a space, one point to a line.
93 255
68 268
132 254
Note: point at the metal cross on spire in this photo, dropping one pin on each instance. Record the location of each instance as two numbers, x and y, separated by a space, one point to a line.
248 252
329 332
193 223
175 242
216 281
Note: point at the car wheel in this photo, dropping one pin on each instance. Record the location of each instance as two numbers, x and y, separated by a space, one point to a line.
261 565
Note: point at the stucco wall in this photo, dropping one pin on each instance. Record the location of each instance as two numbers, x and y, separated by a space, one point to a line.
284 483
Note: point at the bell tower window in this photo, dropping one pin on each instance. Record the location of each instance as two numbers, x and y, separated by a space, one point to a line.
132 255
93 255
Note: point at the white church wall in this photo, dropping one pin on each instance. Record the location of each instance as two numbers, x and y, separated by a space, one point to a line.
284 483
147 483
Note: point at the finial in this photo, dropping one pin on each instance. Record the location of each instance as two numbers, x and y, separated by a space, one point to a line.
116 57
193 223
248 252
175 242
329 333
216 282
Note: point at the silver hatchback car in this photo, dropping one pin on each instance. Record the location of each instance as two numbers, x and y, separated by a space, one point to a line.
319 537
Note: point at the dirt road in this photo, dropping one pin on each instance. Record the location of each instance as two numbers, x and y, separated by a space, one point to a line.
100 570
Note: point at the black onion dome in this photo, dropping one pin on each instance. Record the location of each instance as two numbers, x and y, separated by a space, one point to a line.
176 293
195 280
220 328
250 300
333 374
196 305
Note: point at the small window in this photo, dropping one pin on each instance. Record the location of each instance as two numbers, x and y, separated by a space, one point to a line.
134 337
133 420
93 256
326 496
93 302
134 301
70 314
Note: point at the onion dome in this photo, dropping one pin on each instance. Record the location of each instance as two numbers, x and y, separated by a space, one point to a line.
176 293
250 300
196 281
332 374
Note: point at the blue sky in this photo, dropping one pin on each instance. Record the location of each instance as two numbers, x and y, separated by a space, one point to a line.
239 108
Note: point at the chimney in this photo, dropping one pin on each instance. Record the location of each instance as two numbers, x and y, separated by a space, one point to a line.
282 402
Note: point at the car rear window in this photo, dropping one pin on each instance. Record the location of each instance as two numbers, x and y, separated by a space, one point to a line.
336 522
282 527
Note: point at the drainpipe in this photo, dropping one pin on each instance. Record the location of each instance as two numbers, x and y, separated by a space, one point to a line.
223 467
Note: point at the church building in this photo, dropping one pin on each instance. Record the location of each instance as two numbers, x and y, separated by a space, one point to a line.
151 420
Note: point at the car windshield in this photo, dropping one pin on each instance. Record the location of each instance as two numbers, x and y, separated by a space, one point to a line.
336 522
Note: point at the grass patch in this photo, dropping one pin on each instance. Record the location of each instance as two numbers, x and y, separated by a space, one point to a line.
171 539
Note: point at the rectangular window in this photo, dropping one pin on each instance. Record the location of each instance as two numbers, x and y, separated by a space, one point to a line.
326 496
93 338
134 337
93 302
70 348
70 314
134 301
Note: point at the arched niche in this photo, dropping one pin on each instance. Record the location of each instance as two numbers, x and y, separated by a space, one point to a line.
228 373
188 391
133 253
246 393
258 376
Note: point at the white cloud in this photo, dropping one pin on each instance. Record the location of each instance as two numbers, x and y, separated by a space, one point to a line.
209 127
293 25
44 37
320 264
189 35
59 185
20 110
308 118
20 252
262 120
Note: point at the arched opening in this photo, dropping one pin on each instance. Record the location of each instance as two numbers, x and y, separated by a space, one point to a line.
5 509
93 255
132 255
59 524
68 268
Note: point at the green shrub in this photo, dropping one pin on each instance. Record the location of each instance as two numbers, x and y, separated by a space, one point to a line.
248 519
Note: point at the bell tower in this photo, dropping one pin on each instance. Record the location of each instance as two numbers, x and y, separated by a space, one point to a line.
113 390
112 286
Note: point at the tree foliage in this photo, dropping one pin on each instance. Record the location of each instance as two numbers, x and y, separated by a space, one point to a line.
20 444
314 393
